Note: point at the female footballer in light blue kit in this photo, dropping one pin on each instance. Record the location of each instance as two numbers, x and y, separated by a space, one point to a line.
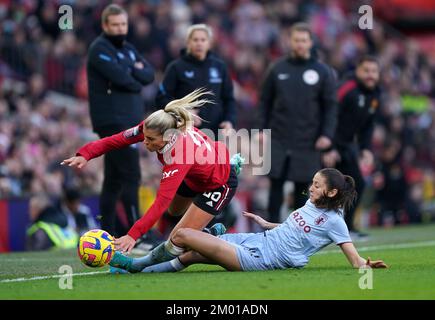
288 245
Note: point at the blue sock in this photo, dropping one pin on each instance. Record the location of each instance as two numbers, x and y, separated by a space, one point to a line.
168 266
157 255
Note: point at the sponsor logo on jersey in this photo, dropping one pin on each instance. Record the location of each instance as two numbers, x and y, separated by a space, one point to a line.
283 76
298 219
321 219
214 75
132 132
169 174
189 74
104 57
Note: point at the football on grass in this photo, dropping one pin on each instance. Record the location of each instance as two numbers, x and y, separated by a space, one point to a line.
95 248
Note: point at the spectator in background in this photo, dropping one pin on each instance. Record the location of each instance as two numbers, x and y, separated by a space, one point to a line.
199 67
359 99
78 214
116 75
298 105
390 183
49 226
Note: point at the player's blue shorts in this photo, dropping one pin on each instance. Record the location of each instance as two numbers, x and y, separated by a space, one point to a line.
250 250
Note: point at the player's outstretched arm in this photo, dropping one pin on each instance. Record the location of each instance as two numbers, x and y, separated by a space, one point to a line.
97 148
260 221
76 162
356 261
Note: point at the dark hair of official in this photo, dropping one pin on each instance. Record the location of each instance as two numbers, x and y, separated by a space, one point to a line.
111 10
345 186
301 27
367 58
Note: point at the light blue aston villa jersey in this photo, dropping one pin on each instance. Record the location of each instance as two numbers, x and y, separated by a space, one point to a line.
303 233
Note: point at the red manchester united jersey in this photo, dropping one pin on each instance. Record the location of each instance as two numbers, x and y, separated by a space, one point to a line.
191 156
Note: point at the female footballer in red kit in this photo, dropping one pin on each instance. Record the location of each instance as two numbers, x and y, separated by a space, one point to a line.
197 182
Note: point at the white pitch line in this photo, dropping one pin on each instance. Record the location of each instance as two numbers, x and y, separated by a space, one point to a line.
51 277
35 259
361 249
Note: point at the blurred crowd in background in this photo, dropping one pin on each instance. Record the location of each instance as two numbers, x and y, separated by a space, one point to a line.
44 113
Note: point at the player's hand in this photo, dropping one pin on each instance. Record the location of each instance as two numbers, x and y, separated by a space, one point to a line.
331 158
376 264
257 219
323 142
124 244
77 162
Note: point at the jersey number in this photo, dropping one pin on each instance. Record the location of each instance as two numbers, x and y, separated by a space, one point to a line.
215 196
197 139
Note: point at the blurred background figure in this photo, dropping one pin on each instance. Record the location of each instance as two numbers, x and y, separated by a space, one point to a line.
359 100
116 75
78 215
199 67
397 198
49 228
298 104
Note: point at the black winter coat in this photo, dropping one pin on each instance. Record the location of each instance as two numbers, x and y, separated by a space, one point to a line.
298 104
187 73
115 85
357 109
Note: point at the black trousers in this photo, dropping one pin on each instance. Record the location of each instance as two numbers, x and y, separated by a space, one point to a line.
121 182
276 196
349 166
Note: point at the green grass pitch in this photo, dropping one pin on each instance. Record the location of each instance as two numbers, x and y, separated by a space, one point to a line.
409 250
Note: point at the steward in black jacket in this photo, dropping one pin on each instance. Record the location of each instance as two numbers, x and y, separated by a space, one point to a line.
298 104
116 76
188 73
115 84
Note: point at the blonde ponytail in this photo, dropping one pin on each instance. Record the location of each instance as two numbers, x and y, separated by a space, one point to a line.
176 114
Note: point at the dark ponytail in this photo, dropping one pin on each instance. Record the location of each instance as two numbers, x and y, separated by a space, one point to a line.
345 186
348 193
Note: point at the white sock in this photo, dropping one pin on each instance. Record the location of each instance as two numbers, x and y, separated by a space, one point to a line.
176 263
173 249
